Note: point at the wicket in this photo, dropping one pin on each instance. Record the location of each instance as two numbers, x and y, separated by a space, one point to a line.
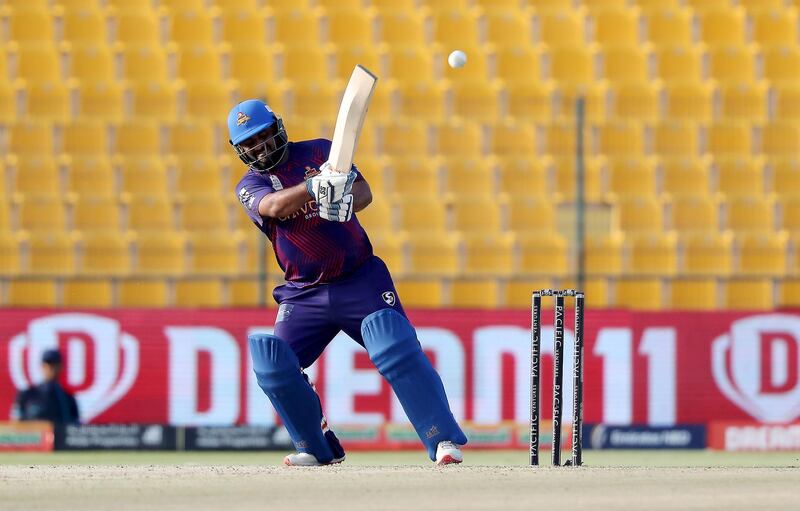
558 377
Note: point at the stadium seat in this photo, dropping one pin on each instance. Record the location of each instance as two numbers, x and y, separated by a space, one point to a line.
32 293
195 293
746 101
679 62
140 138
48 100
92 62
51 253
387 245
349 26
100 100
85 24
732 63
594 96
694 294
790 213
37 62
475 293
476 99
636 100
728 138
95 212
209 101
87 292
529 101
150 213
243 27
105 253
524 176
397 27
543 254
559 139
652 253
32 24
694 213
436 254
306 63
570 63
10 263
294 26
566 179
620 139
640 214
142 175
420 213
513 139
404 137
688 100
178 5
749 294
90 174
45 212
785 173
348 55
722 25
668 25
781 138
531 213
241 60
632 177
143 292
762 253
781 63
154 99
160 253
408 64
603 254
198 63
518 63
786 101
136 25
455 27
204 213
559 27
459 137
490 253
29 138
616 25
198 175
314 99
193 26
706 254
144 62
506 27
640 293
775 26
516 292
624 63
750 214
738 177
477 212
419 292
34 174
675 138
9 95
476 71
213 253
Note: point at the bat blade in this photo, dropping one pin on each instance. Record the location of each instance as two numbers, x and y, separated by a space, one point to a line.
352 112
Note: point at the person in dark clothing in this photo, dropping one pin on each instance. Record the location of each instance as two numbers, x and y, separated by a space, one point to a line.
48 401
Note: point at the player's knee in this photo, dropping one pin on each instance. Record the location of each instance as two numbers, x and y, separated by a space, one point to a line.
274 362
389 338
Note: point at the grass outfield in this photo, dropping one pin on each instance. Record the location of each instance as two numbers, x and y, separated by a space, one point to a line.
621 458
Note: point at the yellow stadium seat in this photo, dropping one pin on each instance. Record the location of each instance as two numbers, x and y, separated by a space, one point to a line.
404 137
723 25
40 4
101 100
640 293
204 213
434 254
640 214
144 62
177 5
754 6
106 253
790 213
453 27
781 138
136 25
616 25
744 101
458 137
213 253
559 27
418 292
141 292
420 213
706 253
198 62
95 212
678 63
781 63
620 139
9 252
92 62
511 138
35 174
762 253
26 138
143 175
399 27
477 212
652 253
475 293
38 62
524 176
295 25
693 294
49 100
565 177
347 56
138 138
632 177
160 253
600 5
394 5
730 138
478 69
508 27
517 291
9 95
689 100
559 139
154 99
91 174
740 177
490 253
684 176
789 294
150 213
85 138
193 292
193 26
32 293
414 174
732 62
476 99
243 26
785 174
32 24
603 254
303 62
389 246
518 63
209 101
84 25
314 99
750 214
668 25
675 138
530 101
51 253
241 60
749 294
595 96
41 212
91 293
408 64
543 253
349 26
624 63
570 63
787 101
198 174
531 213
694 213
775 26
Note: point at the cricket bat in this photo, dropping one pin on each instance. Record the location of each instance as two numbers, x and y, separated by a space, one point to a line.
352 112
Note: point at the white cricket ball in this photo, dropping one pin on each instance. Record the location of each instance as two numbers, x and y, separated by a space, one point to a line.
457 59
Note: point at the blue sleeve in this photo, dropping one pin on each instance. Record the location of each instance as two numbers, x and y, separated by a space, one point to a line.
249 192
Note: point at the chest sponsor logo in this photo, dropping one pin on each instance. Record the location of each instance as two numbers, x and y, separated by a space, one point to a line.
276 183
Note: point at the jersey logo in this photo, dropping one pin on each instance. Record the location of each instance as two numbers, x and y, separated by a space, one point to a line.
284 311
276 183
246 198
310 172
241 118
389 298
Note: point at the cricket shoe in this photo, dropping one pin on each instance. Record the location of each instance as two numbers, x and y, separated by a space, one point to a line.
304 459
448 453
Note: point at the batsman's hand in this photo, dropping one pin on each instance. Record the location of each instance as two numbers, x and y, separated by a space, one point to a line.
329 186
340 211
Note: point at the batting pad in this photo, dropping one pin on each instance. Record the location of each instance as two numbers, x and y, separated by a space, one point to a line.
278 373
394 349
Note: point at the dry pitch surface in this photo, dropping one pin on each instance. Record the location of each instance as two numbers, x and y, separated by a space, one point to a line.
369 481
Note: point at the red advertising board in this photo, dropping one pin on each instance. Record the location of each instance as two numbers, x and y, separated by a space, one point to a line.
186 367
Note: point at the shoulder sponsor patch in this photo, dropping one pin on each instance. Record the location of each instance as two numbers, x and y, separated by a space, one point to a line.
246 198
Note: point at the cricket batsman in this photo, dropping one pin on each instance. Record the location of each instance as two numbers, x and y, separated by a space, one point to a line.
333 283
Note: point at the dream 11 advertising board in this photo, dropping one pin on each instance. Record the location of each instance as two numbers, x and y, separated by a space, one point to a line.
723 371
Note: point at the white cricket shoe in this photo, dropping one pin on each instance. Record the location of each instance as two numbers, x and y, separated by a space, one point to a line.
304 459
448 453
